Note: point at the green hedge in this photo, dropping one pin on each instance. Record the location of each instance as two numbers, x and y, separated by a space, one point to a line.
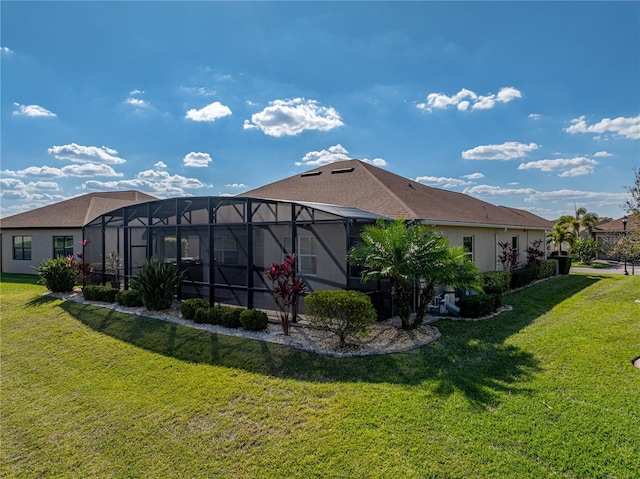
522 277
477 305
254 320
129 298
546 268
188 307
226 316
99 293
500 279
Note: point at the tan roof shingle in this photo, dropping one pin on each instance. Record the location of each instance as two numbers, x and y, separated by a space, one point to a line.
75 212
357 184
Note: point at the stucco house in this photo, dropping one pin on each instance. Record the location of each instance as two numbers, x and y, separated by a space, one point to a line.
608 234
225 244
28 238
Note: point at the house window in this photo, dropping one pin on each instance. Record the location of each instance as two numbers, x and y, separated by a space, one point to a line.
514 242
306 256
22 247
467 243
62 246
225 250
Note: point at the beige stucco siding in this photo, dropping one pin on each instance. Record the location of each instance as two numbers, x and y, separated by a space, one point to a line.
41 247
486 242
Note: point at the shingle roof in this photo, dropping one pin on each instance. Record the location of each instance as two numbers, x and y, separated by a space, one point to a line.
357 184
617 225
75 212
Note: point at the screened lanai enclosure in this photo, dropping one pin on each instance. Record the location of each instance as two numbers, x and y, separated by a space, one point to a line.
225 244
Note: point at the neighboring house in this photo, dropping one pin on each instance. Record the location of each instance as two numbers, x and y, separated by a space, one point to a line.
464 220
608 234
30 237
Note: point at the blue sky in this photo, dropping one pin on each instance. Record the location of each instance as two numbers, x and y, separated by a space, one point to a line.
529 105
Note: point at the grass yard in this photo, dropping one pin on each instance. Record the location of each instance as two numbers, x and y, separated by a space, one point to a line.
547 390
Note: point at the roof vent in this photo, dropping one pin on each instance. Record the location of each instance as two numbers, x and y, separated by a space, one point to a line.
311 173
342 170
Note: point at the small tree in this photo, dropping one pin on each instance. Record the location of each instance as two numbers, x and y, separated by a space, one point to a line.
286 289
534 253
586 249
344 313
558 235
509 257
409 256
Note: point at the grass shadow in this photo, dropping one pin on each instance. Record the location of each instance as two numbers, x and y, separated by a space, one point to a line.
470 357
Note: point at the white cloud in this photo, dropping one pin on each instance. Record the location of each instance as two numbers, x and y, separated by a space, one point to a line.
86 154
594 198
13 189
331 155
197 160
506 94
535 116
466 98
625 127
6 50
292 117
160 164
136 92
83 170
566 167
211 112
200 91
602 154
488 190
33 111
484 103
137 102
324 157
157 183
441 181
473 176
236 185
505 151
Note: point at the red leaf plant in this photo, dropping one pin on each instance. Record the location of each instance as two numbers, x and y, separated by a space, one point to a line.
286 289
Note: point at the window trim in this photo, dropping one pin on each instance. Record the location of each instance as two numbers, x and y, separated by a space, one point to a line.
470 251
65 248
22 248
221 253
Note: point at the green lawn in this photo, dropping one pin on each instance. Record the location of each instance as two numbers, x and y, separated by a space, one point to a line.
547 390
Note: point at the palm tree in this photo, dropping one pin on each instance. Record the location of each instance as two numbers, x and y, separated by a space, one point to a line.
582 220
410 255
559 234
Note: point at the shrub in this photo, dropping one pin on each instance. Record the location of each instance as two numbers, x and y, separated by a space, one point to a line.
496 293
345 313
188 307
546 268
476 305
254 320
587 249
204 315
522 277
231 317
99 293
59 274
157 283
501 279
129 298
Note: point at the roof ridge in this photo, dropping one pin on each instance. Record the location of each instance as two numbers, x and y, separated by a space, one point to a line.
379 181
